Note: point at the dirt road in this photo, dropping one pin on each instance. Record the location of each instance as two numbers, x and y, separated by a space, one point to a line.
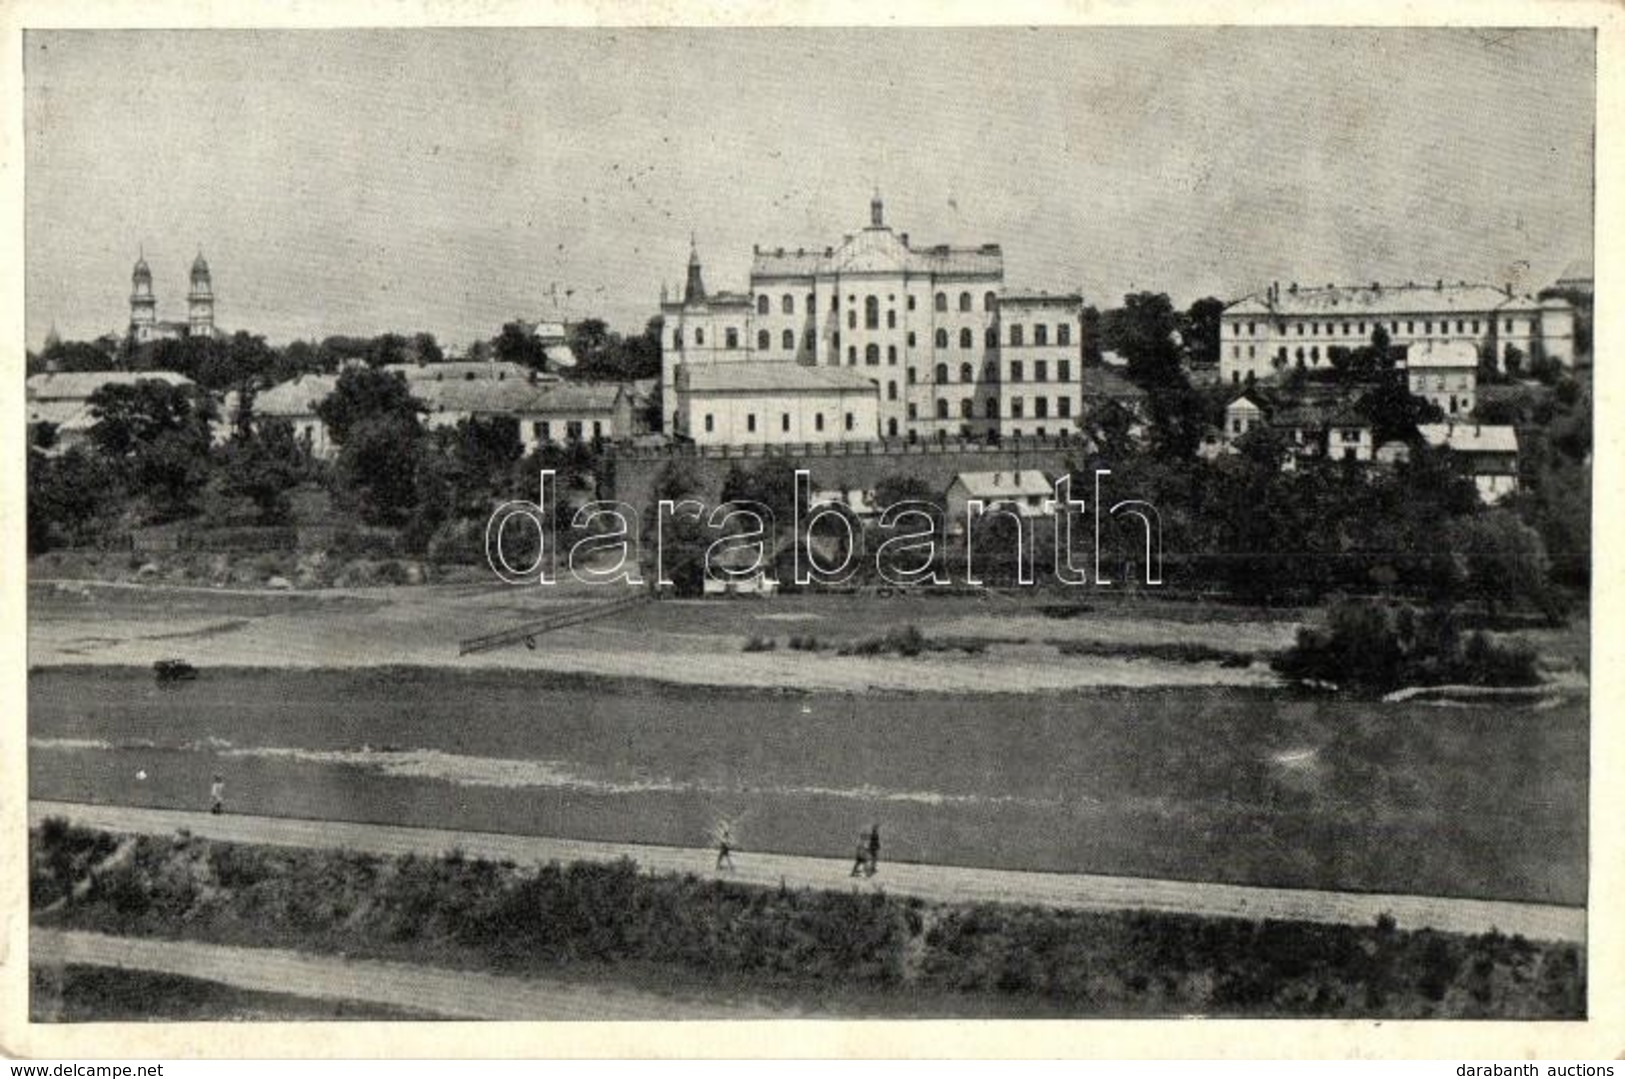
453 994
952 884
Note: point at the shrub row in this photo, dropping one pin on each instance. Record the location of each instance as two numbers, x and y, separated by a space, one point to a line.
1177 651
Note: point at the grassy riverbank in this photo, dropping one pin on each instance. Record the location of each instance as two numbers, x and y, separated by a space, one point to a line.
600 921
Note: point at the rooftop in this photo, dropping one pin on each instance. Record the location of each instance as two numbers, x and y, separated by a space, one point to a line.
453 370
1022 483
1372 300
78 385
1443 354
779 377
1471 437
878 250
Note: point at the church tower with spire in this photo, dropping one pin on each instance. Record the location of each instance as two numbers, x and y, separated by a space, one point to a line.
200 300
694 289
143 304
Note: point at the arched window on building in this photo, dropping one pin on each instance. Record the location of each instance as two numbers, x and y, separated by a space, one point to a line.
871 312
990 408
764 340
942 372
1016 335
942 408
871 355
699 335
989 301
788 304
942 301
942 338
967 408
789 340
991 338
964 301
851 355
891 355
761 304
891 390
891 427
966 373
852 320
891 320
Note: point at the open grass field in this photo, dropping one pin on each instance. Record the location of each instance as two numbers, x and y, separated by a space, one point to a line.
1246 786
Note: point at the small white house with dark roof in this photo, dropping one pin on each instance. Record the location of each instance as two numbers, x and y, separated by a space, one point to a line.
1445 373
1026 491
1490 452
1242 415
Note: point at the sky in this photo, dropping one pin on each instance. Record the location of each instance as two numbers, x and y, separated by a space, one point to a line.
357 182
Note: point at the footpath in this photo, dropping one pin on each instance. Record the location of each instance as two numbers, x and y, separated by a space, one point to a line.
449 994
936 883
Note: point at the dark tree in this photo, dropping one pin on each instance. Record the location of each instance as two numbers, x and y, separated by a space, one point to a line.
366 393
1202 324
517 344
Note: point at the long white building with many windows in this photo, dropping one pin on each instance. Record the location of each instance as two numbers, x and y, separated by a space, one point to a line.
1272 332
947 352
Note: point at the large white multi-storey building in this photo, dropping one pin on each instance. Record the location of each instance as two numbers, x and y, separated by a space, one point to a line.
1270 333
946 351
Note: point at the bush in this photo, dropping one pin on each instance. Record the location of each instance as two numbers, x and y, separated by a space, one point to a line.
390 572
907 641
1370 648
760 644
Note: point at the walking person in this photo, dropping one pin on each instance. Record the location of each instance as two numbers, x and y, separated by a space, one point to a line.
217 795
874 849
861 861
725 842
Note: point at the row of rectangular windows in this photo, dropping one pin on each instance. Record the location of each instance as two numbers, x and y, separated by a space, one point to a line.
871 304
967 339
990 408
784 422
1330 328
1017 373
573 430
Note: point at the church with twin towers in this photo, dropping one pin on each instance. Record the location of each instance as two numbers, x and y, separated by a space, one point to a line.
145 325
875 337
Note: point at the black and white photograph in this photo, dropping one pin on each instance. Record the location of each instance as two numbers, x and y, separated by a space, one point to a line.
1053 522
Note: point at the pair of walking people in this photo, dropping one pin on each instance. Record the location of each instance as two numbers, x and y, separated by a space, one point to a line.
867 862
